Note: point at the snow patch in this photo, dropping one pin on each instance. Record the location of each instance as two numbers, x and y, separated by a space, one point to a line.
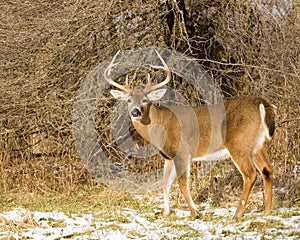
216 224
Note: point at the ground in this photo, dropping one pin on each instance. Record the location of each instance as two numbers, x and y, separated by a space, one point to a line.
146 223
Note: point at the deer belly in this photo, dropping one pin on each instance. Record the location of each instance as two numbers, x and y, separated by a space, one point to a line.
214 156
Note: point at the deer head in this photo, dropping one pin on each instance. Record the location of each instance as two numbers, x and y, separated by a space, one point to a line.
138 99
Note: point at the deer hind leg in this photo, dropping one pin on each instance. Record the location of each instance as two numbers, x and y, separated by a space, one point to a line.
261 161
169 176
243 162
183 172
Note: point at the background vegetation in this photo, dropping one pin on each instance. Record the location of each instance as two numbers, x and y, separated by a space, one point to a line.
48 48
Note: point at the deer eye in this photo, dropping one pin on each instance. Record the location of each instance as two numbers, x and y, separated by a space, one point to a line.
144 101
129 100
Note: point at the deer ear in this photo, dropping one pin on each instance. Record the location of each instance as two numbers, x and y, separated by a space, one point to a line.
119 95
156 94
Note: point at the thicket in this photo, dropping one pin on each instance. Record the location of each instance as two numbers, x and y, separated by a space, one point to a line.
48 49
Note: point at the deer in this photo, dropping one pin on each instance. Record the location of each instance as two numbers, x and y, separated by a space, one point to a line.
239 128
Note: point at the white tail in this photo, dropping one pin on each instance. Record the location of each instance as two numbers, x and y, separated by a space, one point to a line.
237 129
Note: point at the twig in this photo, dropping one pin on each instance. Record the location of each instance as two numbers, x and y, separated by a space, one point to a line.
288 120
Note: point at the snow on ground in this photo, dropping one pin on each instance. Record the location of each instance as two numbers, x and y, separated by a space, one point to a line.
215 223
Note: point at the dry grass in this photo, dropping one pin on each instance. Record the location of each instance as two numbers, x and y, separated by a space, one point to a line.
48 48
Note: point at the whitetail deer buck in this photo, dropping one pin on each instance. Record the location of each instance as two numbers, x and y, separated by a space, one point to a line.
237 129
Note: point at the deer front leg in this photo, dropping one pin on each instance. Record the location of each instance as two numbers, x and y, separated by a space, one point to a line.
169 176
183 172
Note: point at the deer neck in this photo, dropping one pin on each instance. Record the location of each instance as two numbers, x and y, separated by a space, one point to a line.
152 117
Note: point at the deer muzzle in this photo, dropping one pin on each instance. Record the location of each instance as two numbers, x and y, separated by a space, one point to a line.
136 113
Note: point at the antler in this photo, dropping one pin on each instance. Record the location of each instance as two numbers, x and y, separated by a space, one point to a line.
149 88
107 75
165 67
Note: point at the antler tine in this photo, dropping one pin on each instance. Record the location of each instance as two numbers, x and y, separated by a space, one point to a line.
107 75
164 67
148 79
127 80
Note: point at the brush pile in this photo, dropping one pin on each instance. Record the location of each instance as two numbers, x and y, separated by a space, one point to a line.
48 49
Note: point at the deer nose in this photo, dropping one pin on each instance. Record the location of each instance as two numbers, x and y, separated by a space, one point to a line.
136 112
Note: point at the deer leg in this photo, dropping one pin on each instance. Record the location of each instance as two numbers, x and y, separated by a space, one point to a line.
169 176
183 172
248 171
260 159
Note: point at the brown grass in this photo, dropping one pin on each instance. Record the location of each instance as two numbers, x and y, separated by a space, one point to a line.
48 48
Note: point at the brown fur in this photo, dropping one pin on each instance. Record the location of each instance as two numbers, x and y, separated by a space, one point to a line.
183 133
238 128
